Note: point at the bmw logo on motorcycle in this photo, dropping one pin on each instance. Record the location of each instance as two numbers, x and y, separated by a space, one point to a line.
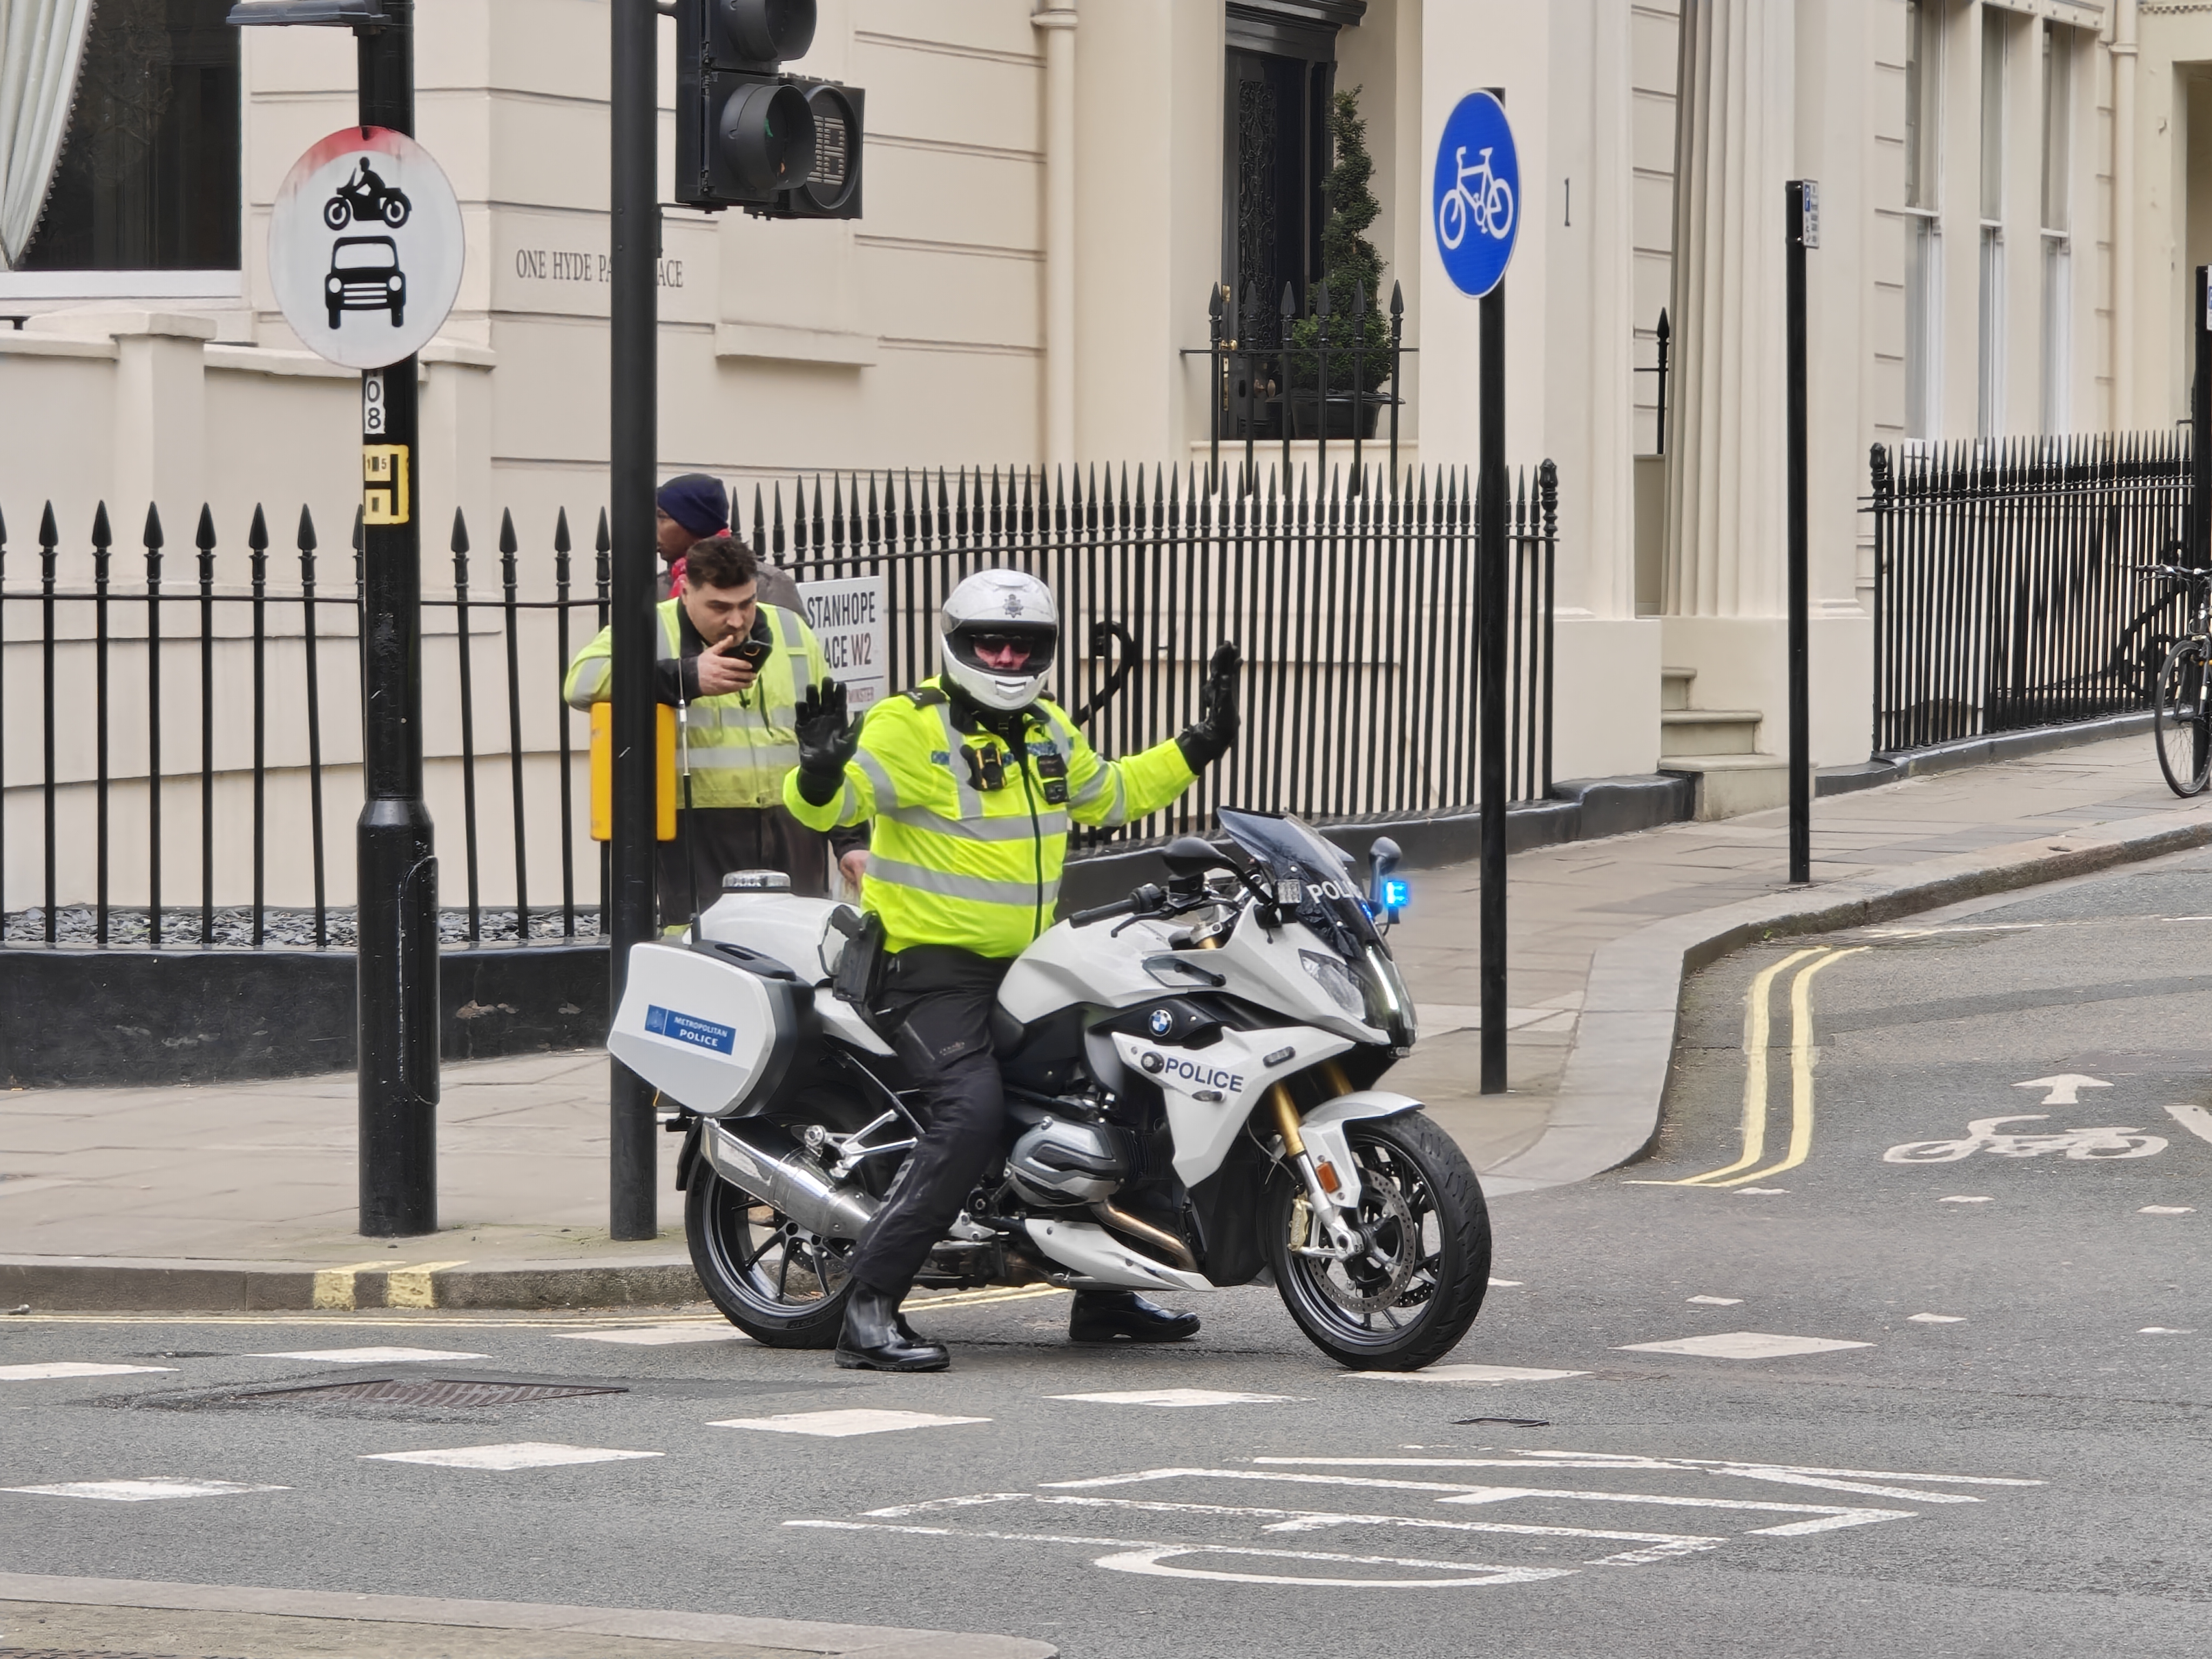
366 247
1162 1022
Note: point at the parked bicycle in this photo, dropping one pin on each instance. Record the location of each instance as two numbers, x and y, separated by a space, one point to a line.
2179 716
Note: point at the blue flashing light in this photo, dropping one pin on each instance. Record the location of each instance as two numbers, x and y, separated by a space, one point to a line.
1397 893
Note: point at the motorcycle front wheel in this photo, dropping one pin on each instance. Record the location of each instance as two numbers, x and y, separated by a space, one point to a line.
1407 1300
781 1285
337 213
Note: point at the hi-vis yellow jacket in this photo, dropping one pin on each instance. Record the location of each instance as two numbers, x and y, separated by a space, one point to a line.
741 743
954 860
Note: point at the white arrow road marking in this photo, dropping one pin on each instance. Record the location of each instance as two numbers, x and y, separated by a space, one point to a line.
2195 1118
2065 1088
1147 1556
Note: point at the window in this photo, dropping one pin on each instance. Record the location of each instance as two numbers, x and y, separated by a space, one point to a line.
1924 242
148 178
1995 36
2057 244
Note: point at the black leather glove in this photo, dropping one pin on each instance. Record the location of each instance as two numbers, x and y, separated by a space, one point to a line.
827 740
1209 739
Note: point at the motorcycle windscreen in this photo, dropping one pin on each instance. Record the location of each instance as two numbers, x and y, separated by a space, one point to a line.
704 1030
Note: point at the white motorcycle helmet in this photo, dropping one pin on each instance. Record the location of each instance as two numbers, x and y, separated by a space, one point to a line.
996 605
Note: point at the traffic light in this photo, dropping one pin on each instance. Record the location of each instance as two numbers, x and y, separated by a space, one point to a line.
747 135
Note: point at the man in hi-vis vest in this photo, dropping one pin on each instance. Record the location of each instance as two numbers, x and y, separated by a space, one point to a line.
740 667
971 780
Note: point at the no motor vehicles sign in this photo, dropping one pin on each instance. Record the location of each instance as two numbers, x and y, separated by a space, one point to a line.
366 247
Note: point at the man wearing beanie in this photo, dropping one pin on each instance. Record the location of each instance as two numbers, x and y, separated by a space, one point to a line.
688 509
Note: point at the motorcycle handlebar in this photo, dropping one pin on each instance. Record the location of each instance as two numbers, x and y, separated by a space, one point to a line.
1145 900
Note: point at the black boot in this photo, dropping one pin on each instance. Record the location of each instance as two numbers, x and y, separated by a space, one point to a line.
877 1338
1123 1315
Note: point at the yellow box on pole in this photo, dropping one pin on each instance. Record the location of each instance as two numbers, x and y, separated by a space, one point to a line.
603 772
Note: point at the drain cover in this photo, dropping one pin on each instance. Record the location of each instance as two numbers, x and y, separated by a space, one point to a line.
426 1391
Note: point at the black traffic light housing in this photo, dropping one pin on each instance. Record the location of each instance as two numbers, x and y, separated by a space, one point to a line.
747 135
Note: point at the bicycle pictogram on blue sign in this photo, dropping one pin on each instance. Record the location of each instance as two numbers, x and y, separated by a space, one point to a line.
1476 194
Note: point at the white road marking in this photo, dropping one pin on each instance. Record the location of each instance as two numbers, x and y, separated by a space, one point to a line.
1514 1284
2166 1209
1743 1345
1145 1555
1665 1544
61 1368
2165 1330
1467 1373
839 1424
1177 1397
974 1500
1546 1459
141 1492
1829 1516
1761 1192
1960 1198
657 1336
2195 1118
517 1455
372 1356
1937 1319
2109 1140
1715 1301
2065 1089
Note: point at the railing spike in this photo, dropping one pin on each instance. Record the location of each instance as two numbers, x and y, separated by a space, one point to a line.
49 536
257 534
561 543
305 539
101 537
203 538
460 541
604 544
508 545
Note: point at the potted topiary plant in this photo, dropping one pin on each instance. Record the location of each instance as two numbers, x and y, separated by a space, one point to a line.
1350 324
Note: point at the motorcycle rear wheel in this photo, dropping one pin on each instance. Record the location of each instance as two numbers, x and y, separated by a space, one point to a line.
782 1287
1424 1208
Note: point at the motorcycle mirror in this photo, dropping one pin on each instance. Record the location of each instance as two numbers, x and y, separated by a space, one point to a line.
1188 856
1385 892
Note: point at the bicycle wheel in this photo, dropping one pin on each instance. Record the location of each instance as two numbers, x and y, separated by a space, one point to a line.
2185 740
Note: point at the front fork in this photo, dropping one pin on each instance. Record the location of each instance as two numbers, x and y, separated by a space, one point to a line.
1322 1181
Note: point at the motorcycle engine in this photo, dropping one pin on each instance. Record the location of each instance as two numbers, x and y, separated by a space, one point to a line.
1059 1161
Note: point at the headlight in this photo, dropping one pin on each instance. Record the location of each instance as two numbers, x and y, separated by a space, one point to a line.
1339 980
394 284
1388 1008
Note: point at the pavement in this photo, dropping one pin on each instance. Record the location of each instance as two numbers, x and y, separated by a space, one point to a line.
1894 1342
243 1195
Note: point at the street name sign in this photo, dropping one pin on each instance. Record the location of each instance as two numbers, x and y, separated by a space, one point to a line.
1476 194
366 247
849 616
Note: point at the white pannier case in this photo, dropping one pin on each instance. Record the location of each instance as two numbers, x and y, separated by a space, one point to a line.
713 1027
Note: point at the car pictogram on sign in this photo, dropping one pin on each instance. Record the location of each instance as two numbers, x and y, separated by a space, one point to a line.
365 276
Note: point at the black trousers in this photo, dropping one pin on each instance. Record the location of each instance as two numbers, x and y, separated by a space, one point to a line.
941 1000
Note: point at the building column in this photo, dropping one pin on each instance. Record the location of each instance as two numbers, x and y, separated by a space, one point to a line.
1736 130
1055 19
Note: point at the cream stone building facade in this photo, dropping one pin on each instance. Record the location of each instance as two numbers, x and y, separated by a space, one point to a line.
2012 192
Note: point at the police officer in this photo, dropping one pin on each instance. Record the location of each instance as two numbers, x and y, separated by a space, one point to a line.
971 780
739 665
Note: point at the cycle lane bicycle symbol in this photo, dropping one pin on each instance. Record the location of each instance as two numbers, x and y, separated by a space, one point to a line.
1986 1135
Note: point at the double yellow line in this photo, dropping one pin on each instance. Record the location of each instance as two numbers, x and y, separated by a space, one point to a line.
1756 1029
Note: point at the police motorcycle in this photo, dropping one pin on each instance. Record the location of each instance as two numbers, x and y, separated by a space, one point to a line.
1191 1103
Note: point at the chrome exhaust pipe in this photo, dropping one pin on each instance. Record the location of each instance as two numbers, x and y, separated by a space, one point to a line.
762 1159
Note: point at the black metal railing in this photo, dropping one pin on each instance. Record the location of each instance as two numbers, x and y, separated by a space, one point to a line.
2007 592
1356 611
271 664
1275 377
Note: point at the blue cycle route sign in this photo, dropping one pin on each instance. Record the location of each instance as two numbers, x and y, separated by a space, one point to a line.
1476 194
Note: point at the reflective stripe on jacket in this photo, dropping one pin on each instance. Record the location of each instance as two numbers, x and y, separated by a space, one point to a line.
953 863
741 743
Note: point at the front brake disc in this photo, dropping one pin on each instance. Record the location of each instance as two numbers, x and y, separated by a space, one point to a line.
1368 1290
